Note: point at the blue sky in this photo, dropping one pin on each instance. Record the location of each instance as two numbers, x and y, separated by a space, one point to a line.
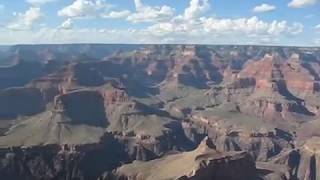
272 22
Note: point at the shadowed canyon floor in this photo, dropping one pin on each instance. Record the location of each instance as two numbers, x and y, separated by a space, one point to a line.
159 112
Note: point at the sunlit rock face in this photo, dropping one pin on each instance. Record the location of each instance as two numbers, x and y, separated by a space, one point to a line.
202 163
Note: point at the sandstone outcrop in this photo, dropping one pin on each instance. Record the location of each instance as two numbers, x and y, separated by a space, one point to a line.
203 163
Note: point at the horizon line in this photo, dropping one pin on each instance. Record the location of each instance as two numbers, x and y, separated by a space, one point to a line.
195 44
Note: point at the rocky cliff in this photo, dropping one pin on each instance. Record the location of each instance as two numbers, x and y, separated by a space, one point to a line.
202 163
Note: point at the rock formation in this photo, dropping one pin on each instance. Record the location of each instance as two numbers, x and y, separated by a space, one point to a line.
202 163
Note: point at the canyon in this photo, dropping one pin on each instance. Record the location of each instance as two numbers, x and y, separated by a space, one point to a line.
159 112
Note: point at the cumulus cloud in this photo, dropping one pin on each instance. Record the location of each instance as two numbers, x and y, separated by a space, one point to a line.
209 30
165 26
145 13
244 25
196 9
117 14
67 24
26 20
193 26
83 8
39 2
264 8
301 3
251 25
159 33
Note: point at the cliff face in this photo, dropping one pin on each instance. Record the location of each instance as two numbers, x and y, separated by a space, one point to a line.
302 162
276 88
202 163
82 107
238 133
86 161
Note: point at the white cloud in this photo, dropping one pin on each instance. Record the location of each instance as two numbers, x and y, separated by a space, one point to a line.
251 26
117 14
67 24
264 8
191 26
317 41
39 2
301 3
146 13
159 33
196 9
216 30
83 8
26 20
318 27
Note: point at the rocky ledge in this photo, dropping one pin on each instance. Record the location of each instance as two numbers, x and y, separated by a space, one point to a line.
202 163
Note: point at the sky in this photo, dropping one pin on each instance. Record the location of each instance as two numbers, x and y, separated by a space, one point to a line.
258 22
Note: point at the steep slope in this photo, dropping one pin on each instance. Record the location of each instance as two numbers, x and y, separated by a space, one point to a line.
203 163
